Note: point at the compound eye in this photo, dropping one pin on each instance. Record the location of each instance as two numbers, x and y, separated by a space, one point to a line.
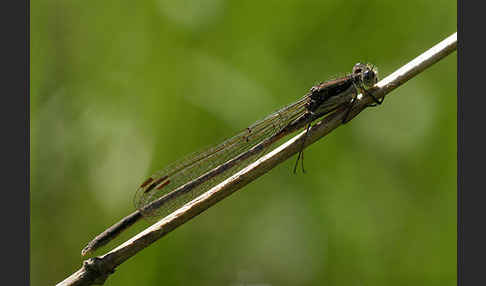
367 75
358 68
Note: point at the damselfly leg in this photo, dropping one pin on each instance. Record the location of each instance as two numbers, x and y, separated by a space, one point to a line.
301 152
376 100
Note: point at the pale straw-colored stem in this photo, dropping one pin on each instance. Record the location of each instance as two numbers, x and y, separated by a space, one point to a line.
96 270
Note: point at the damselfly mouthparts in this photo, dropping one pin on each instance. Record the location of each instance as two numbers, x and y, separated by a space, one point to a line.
174 186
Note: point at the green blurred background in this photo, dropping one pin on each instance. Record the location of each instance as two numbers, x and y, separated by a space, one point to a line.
121 89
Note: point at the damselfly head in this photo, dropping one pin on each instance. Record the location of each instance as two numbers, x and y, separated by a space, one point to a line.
368 74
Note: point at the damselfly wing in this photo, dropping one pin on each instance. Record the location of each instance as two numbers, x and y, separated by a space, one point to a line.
197 164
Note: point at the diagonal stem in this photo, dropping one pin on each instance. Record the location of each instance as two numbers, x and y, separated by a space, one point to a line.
96 270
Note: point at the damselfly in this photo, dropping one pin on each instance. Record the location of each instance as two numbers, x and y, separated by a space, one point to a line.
174 186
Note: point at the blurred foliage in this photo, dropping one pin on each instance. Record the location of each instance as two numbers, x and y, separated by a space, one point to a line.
121 89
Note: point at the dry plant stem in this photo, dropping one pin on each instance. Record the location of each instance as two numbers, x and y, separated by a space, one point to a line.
96 270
